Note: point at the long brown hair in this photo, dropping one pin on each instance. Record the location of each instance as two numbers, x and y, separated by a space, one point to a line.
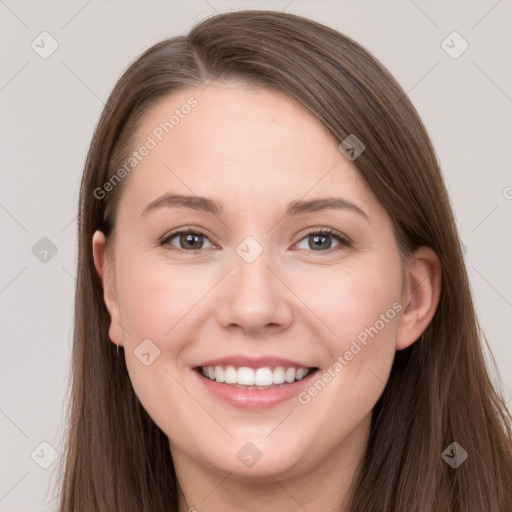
440 390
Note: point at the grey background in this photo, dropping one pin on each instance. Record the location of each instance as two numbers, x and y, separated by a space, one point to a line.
49 108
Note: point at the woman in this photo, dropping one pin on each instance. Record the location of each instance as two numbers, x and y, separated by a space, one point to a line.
265 232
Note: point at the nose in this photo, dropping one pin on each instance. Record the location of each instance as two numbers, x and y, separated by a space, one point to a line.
254 297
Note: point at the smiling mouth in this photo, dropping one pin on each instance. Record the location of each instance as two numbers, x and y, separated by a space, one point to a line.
254 378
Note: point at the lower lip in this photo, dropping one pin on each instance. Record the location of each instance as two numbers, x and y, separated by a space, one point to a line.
255 398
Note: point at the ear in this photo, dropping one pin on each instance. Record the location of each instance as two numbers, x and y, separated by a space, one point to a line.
105 269
421 295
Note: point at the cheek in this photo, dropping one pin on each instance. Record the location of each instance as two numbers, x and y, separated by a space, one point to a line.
156 303
153 297
363 313
352 301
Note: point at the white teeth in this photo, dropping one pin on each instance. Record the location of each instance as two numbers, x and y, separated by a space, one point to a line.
263 377
278 375
289 376
300 373
219 374
245 376
230 375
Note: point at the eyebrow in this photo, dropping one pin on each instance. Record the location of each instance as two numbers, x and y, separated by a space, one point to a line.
204 204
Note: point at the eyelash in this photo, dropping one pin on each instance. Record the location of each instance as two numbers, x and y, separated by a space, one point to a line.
343 240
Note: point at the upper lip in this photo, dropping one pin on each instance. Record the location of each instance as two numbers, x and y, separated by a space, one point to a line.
253 362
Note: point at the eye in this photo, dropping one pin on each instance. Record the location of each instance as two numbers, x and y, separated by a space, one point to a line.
321 239
187 240
190 240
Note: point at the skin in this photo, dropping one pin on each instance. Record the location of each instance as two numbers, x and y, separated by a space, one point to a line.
255 151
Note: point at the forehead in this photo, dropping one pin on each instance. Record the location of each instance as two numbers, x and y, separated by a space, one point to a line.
240 144
234 120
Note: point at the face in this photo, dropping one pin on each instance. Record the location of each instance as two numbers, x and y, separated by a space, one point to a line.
272 279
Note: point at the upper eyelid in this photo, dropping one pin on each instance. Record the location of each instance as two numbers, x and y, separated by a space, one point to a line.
181 231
